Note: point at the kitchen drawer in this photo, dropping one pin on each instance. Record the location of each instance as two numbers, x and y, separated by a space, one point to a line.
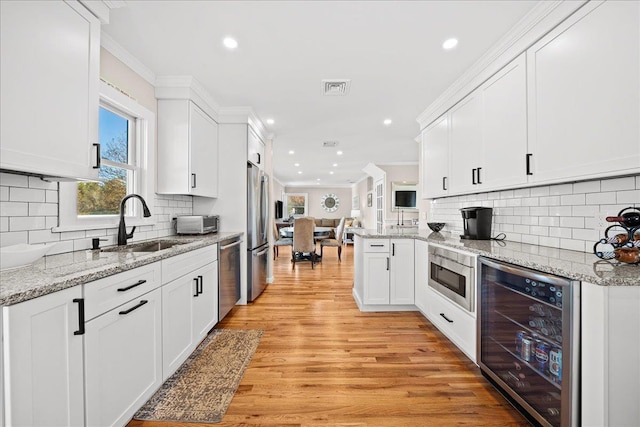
376 245
460 327
105 294
179 265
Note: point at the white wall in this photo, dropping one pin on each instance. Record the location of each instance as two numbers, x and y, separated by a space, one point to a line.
398 173
314 198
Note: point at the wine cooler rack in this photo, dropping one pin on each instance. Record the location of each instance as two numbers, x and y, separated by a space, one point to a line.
621 241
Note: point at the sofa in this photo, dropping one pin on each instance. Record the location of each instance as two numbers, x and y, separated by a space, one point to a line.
333 223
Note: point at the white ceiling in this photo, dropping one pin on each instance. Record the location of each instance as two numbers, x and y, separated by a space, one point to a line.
391 51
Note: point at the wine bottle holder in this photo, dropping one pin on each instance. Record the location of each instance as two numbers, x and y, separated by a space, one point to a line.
605 247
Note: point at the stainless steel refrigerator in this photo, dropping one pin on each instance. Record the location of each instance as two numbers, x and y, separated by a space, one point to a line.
257 229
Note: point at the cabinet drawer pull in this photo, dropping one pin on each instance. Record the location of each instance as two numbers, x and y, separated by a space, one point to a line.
135 307
199 284
529 164
393 249
377 246
80 302
138 283
387 263
195 279
446 318
98 156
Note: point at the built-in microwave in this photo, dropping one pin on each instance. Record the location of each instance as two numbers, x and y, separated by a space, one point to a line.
452 274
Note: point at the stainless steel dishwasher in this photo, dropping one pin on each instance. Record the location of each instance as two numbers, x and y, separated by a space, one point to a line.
228 275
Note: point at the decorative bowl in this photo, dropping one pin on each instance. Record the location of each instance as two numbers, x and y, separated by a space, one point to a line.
15 256
436 226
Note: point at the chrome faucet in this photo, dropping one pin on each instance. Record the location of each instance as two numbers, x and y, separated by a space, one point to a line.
122 228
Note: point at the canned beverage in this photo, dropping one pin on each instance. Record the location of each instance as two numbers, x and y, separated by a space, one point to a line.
542 355
555 363
519 336
526 352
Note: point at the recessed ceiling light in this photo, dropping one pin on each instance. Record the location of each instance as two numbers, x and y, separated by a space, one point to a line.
449 44
291 152
230 43
387 122
270 121
296 164
317 179
339 153
331 173
335 165
299 172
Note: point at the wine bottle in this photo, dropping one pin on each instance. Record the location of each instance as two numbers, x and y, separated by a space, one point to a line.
628 219
628 255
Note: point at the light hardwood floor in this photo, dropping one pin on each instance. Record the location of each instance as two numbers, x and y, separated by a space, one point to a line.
321 362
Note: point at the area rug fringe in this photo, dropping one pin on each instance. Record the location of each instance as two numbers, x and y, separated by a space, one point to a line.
201 390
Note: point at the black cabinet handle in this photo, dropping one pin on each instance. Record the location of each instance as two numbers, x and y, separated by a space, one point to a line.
193 180
377 246
473 176
479 181
444 183
446 318
199 284
135 307
80 302
393 249
138 283
98 156
258 157
195 279
387 263
529 164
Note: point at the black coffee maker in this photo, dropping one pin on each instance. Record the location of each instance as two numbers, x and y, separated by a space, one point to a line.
477 223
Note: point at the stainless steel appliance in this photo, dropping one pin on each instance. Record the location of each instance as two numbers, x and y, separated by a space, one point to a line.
529 340
477 222
452 274
257 229
197 224
228 275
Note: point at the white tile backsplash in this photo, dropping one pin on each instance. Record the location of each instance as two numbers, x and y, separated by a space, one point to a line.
29 210
563 216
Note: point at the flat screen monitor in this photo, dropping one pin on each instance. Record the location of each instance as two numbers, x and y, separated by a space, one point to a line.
406 199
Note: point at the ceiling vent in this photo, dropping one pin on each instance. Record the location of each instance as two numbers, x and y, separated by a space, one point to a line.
330 144
336 87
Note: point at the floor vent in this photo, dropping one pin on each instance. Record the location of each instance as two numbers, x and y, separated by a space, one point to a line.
336 87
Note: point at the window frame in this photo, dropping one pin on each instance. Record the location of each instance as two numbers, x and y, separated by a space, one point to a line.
306 204
143 167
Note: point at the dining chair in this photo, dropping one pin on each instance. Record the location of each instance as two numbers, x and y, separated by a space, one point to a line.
278 240
337 242
303 241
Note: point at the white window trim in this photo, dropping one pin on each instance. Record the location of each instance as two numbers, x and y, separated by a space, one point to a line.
306 204
145 157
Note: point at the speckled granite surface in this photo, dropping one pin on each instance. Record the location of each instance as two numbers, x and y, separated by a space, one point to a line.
58 272
572 264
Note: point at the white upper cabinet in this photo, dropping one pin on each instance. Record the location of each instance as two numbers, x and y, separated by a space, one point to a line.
187 149
584 95
434 161
504 128
465 139
255 149
49 76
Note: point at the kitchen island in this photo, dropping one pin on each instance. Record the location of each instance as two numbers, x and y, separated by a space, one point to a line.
608 323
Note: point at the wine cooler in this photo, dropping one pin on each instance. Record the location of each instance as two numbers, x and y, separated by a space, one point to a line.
529 340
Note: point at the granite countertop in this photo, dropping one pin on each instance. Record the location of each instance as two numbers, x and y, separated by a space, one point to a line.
57 272
572 264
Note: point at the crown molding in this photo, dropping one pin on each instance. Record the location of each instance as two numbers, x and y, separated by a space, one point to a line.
186 87
540 20
101 8
123 55
244 115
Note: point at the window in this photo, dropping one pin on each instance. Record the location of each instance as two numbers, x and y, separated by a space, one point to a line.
126 135
296 204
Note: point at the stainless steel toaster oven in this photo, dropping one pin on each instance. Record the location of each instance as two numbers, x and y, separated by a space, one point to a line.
197 224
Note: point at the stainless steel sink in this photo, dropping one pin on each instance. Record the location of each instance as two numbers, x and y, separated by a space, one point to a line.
151 246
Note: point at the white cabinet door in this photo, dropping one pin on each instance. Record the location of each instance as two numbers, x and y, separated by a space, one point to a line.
504 128
435 159
204 153
177 322
49 75
401 279
255 150
205 310
584 95
123 350
465 139
376 278
43 361
421 261
187 150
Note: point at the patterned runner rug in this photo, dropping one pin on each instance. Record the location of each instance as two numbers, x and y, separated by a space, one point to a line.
202 388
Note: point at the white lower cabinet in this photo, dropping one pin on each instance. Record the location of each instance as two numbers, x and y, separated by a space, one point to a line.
421 275
43 361
457 324
123 365
189 305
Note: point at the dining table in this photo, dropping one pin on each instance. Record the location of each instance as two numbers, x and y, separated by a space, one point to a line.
319 233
